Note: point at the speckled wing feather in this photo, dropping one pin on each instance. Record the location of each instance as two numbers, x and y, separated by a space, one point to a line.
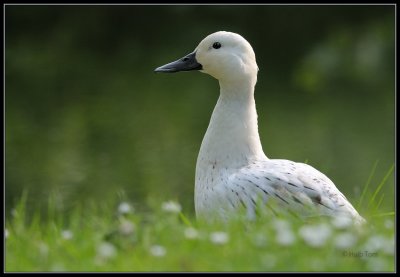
296 187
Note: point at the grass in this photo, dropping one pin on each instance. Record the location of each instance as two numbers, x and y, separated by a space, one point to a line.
118 237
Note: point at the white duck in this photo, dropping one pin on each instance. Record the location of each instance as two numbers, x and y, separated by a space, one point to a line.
232 169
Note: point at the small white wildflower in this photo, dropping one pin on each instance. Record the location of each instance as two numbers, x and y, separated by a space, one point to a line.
67 234
388 224
285 237
158 250
191 233
125 208
6 234
315 236
342 222
219 237
375 243
284 233
281 225
345 240
379 242
126 227
171 207
106 250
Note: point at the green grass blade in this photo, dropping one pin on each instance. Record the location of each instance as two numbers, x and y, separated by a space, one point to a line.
367 185
379 202
184 219
384 214
380 186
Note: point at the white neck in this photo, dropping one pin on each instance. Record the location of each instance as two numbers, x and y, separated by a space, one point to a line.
232 138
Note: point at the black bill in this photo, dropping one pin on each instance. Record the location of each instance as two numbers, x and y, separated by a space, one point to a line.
186 63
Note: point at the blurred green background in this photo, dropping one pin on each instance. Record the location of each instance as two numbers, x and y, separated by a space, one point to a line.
88 119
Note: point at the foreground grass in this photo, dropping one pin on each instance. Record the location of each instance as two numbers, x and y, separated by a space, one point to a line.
118 238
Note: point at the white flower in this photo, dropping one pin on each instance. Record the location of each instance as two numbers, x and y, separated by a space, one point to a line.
375 243
345 240
219 237
171 207
125 208
281 225
126 227
158 251
315 236
67 234
106 250
284 233
6 234
285 237
379 242
388 224
342 222
191 233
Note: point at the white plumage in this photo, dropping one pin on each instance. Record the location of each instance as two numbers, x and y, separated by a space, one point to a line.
232 170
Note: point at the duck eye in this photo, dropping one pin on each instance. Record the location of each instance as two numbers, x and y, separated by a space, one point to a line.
216 45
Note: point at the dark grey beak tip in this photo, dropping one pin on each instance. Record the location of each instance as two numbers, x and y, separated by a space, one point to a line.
164 69
186 63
